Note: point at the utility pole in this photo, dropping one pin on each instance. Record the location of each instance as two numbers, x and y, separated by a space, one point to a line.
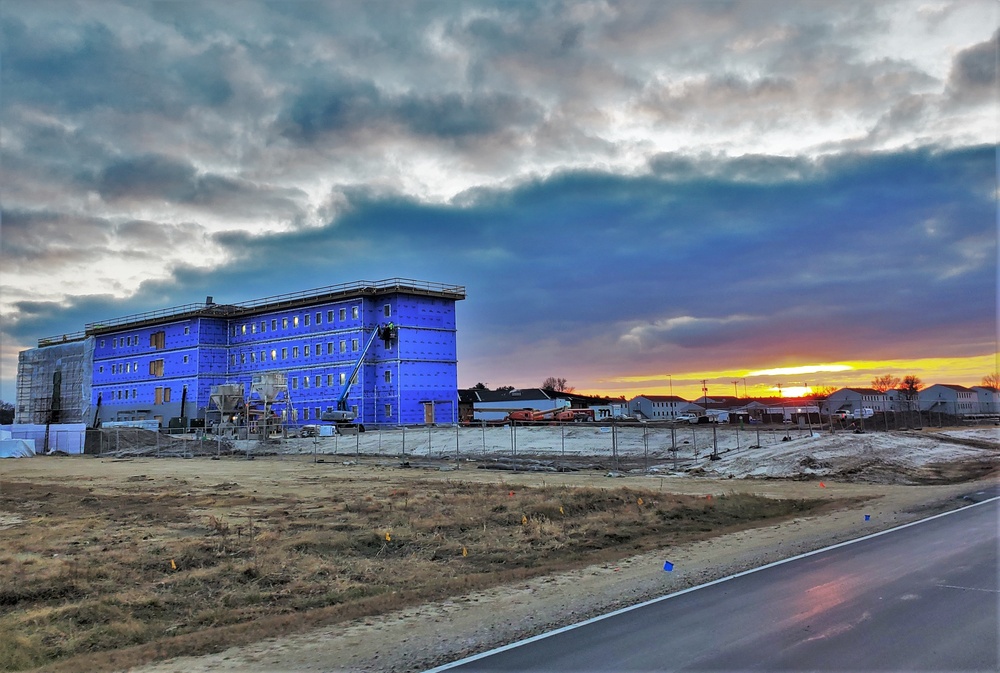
673 412
736 390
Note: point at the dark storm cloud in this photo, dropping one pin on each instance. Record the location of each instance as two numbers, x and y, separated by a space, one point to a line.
855 255
96 68
350 106
895 248
35 238
974 71
41 319
161 178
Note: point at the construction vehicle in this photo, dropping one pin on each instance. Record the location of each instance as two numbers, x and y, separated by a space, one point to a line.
557 415
342 415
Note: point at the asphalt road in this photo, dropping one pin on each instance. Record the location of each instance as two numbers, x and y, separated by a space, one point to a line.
923 597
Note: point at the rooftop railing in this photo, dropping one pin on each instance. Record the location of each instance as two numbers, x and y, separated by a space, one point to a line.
359 287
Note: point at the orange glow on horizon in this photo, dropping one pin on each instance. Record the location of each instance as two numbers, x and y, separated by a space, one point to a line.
795 381
794 391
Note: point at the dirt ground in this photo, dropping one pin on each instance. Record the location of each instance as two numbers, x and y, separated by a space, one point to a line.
424 635
419 638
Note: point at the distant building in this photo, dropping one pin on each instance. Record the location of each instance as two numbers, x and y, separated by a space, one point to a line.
854 400
945 398
988 398
163 364
660 407
780 409
494 405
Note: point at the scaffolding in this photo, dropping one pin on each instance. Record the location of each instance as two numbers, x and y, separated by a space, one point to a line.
54 383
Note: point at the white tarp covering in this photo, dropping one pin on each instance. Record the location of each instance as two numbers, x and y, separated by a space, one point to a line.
66 437
16 448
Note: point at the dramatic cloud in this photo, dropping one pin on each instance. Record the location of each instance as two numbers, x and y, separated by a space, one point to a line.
624 188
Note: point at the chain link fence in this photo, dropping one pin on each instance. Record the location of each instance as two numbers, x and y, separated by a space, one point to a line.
650 443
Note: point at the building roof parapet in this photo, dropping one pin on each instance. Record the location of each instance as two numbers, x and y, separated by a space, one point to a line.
290 300
62 339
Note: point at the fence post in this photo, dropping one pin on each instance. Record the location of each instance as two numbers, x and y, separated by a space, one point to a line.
614 442
645 449
404 442
458 456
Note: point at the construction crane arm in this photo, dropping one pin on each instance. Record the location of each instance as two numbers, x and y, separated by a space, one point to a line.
387 331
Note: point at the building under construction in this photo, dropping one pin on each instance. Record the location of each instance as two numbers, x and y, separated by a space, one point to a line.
378 352
54 381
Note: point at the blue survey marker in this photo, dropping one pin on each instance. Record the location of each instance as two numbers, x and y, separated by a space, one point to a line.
668 566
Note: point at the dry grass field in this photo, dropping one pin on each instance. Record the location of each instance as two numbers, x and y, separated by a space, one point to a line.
107 564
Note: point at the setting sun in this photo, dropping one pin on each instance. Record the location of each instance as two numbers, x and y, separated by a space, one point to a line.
793 391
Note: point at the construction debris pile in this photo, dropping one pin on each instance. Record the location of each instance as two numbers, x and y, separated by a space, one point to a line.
136 443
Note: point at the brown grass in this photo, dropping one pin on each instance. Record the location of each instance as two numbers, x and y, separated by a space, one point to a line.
96 579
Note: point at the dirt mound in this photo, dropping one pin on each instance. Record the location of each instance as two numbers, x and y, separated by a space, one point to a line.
137 442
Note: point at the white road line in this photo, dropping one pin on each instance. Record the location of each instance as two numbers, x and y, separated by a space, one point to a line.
608 615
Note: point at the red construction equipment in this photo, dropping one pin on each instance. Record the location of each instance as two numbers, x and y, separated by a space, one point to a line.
559 415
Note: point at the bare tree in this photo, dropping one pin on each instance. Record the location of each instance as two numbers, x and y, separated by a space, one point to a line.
911 386
554 384
992 381
885 382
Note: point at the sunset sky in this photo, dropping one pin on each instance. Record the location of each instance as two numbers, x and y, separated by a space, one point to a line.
636 195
